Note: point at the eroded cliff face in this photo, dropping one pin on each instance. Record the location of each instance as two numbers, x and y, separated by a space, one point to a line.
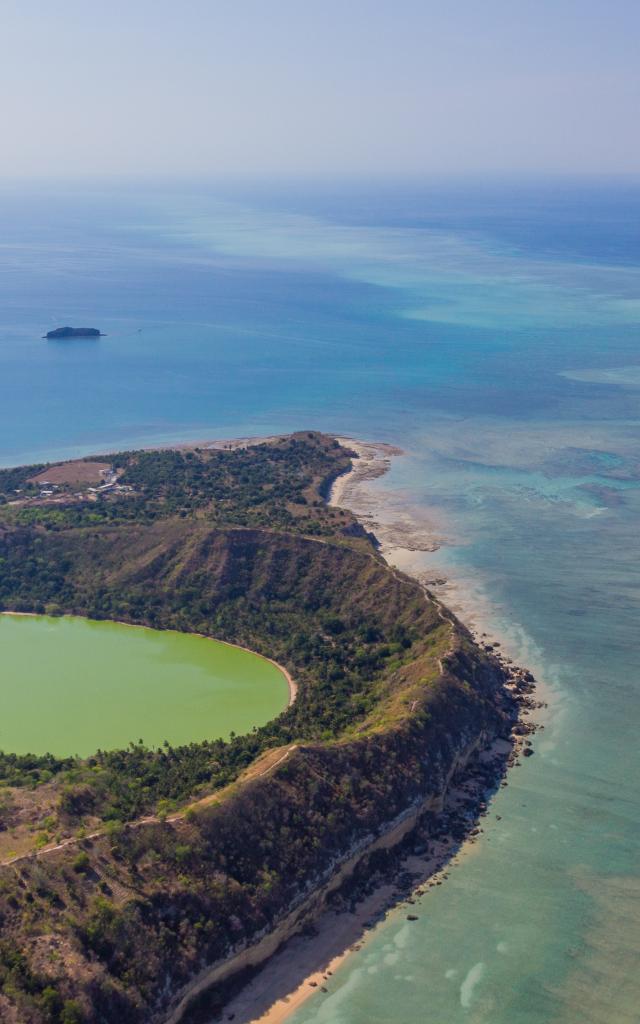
402 778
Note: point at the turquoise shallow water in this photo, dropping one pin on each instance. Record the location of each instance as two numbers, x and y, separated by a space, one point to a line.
493 334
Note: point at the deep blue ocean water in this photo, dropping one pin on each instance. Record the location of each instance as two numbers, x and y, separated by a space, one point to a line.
492 332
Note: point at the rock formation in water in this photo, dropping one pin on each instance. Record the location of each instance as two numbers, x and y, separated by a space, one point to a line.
74 332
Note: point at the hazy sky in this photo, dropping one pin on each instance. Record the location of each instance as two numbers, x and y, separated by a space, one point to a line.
272 87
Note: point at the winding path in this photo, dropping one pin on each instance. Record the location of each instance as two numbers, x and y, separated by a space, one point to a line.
150 819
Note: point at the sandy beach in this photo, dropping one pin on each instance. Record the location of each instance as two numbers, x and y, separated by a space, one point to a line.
410 538
397 525
306 965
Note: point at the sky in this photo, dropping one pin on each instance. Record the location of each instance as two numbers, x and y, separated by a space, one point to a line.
315 88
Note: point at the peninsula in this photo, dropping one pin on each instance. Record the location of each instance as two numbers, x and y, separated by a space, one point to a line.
74 332
155 881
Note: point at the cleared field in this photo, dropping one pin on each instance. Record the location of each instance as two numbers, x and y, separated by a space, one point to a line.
76 472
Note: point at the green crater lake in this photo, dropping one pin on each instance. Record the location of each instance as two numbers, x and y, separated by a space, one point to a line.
72 686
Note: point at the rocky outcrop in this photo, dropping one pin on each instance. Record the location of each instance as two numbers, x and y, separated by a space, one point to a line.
74 332
358 530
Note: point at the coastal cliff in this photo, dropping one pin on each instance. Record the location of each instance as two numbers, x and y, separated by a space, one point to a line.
196 863
406 772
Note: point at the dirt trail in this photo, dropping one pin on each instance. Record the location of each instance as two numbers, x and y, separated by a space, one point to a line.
150 819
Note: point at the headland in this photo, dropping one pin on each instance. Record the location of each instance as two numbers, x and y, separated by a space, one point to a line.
209 858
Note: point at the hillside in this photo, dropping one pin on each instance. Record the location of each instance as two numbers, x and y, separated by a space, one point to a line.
392 698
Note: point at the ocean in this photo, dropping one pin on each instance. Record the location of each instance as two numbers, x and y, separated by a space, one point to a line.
491 331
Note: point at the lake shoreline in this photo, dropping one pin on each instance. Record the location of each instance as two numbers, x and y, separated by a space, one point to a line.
291 684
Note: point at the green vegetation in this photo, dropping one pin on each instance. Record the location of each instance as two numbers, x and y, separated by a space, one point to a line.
275 486
236 544
16 480
311 607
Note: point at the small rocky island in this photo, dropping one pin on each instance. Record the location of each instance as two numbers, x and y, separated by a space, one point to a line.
74 332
